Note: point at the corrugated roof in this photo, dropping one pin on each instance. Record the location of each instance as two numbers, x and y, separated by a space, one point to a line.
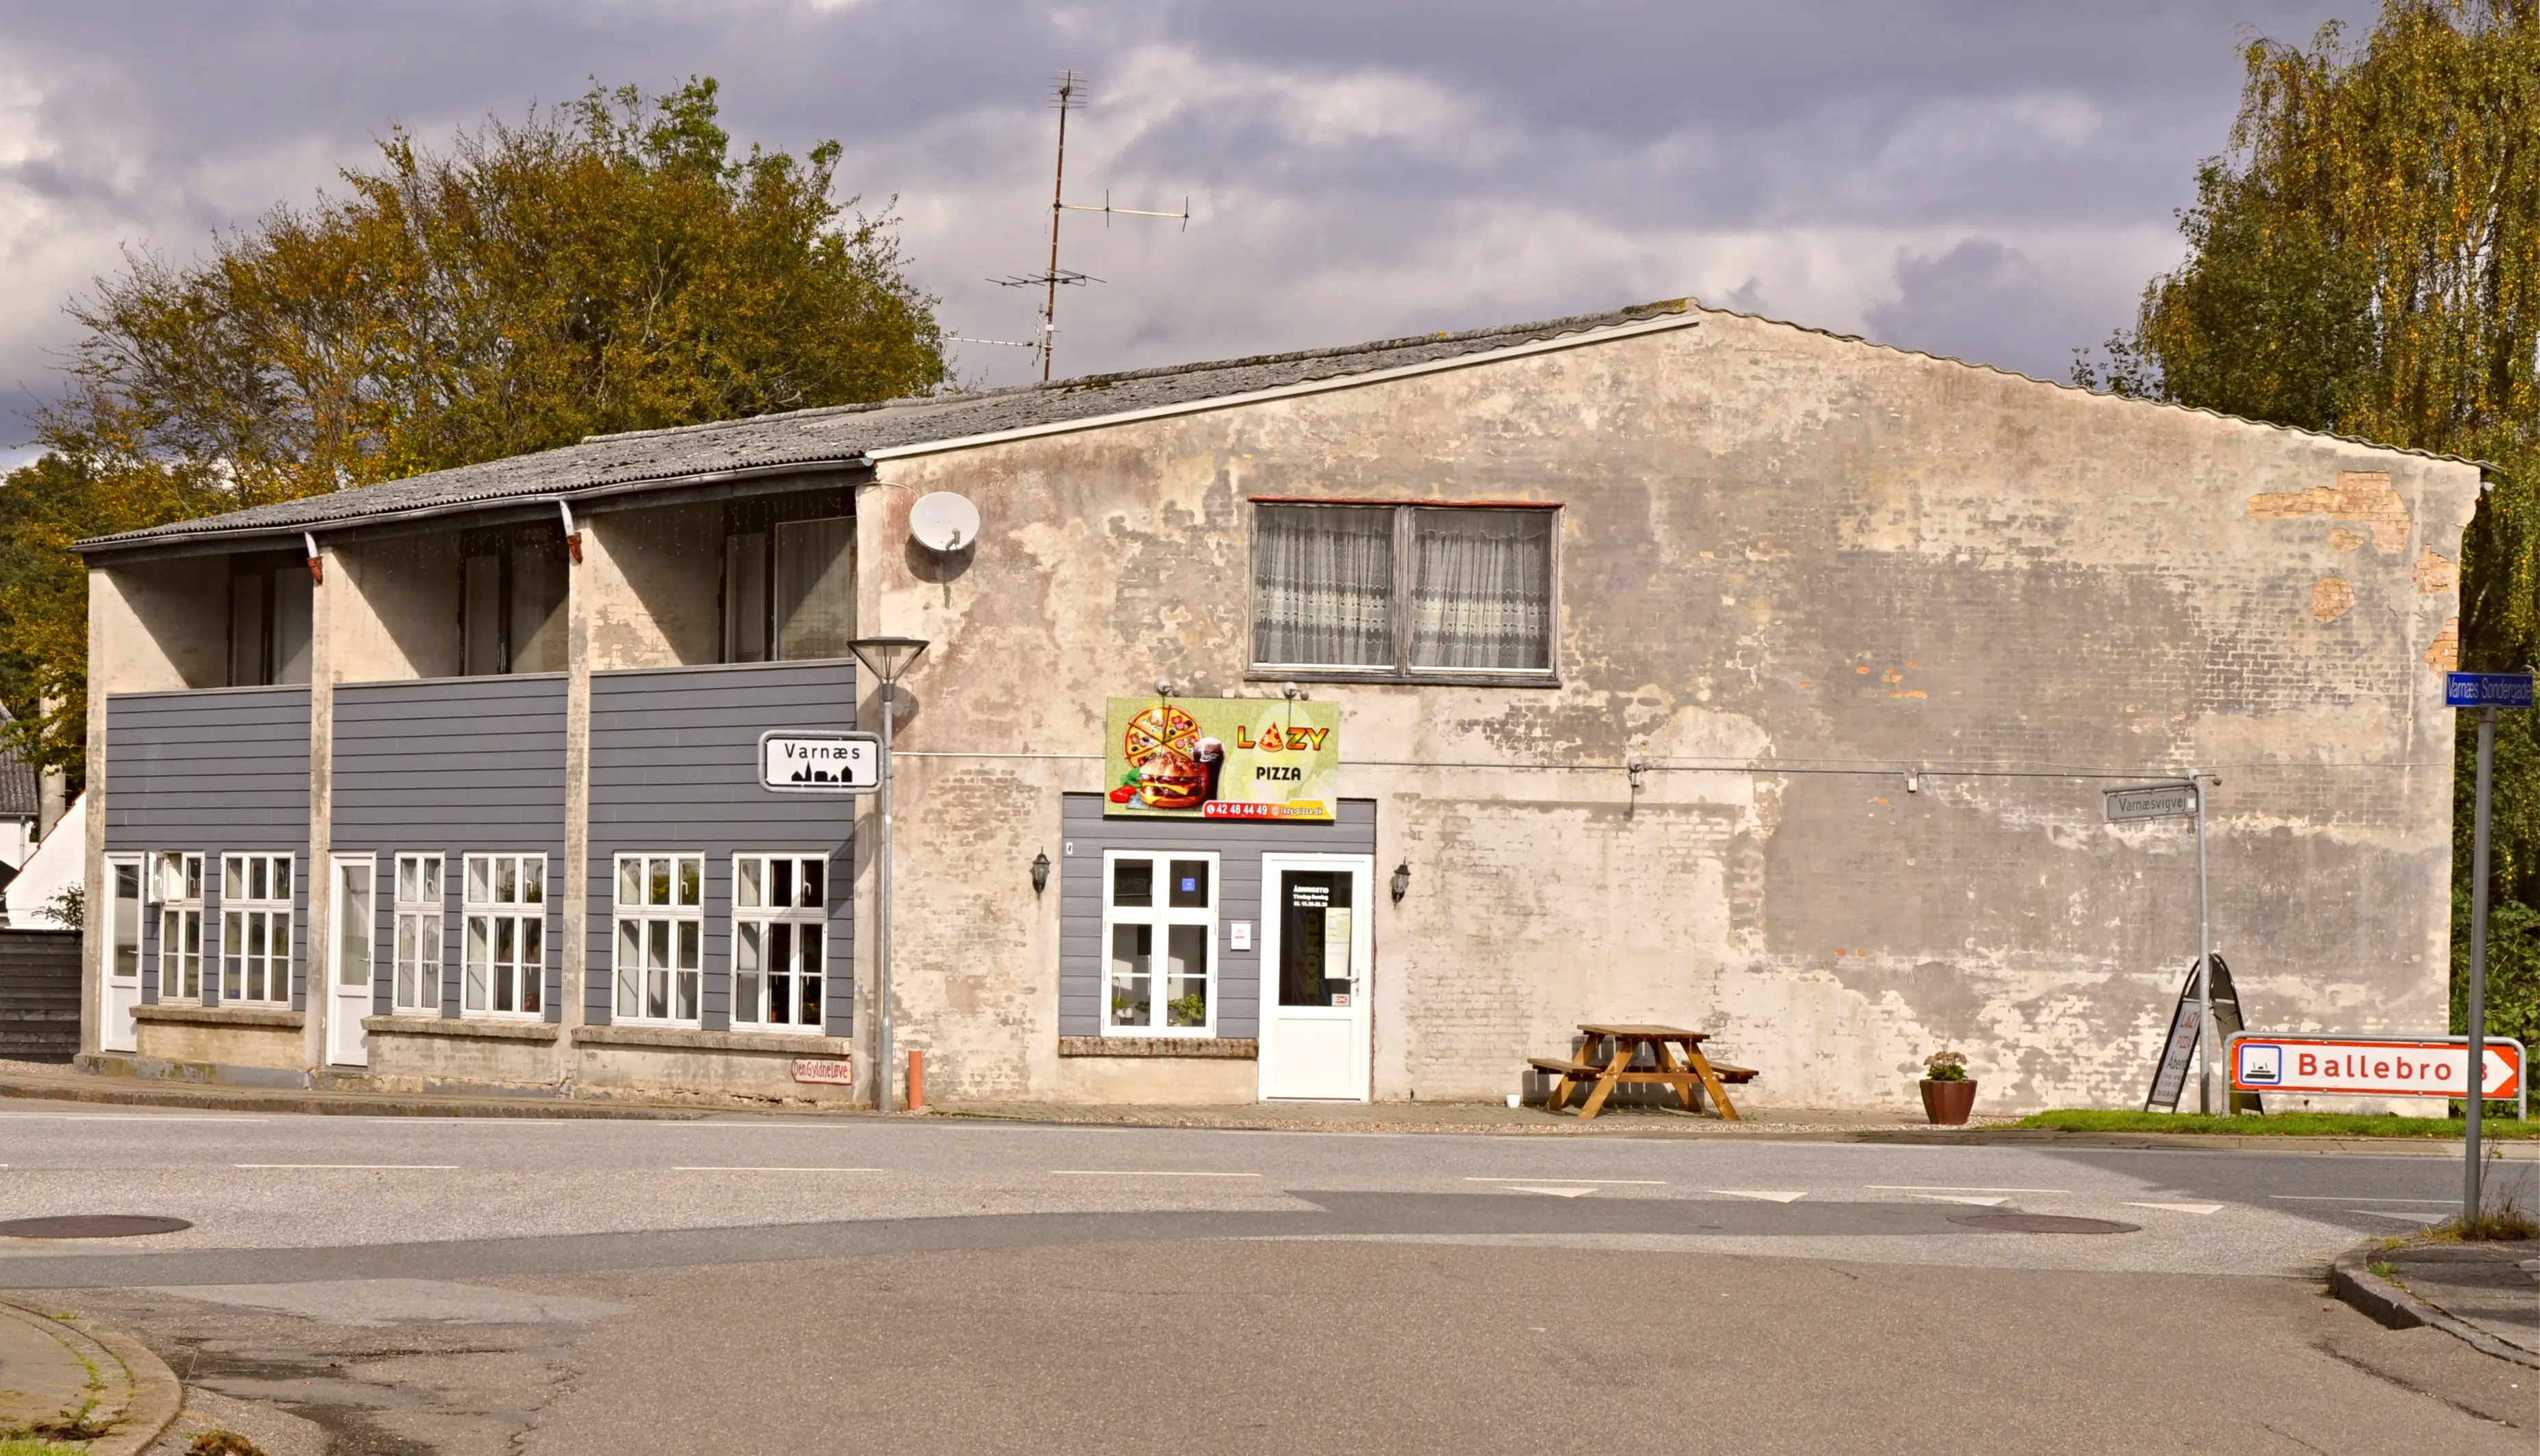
846 433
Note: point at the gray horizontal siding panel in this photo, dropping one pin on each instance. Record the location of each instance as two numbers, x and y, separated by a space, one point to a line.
1238 846
450 766
674 769
226 768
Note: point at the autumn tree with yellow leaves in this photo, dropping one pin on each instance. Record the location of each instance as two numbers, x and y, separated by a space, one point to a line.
2365 260
608 265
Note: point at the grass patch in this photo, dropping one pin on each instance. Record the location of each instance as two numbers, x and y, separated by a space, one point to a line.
2277 1124
24 1446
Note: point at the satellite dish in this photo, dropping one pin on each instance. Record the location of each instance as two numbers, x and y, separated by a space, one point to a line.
944 522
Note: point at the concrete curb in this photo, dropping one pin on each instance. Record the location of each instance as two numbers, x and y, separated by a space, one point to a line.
156 1397
46 1084
2351 1279
152 1395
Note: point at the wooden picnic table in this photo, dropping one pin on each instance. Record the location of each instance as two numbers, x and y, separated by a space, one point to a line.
1625 1041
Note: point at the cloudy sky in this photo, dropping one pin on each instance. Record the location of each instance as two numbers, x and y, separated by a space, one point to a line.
1993 181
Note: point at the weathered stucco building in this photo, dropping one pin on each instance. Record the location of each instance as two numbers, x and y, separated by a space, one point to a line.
1668 665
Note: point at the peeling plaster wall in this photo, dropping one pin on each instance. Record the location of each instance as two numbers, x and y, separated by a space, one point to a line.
1792 566
653 581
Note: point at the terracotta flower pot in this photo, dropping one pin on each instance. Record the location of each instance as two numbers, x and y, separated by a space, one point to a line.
1947 1103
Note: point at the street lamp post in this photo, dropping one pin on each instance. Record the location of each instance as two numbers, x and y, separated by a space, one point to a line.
885 657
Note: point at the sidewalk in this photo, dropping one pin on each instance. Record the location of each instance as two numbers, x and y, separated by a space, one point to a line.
52 1082
1770 1123
66 1378
2488 1294
56 1083
1453 1117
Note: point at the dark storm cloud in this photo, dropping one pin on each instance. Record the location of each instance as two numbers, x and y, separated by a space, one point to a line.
1988 179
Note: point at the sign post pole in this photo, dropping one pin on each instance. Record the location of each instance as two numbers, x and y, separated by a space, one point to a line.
2204 961
2486 692
2477 1028
2180 800
886 657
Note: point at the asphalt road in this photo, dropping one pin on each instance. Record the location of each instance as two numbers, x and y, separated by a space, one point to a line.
406 1286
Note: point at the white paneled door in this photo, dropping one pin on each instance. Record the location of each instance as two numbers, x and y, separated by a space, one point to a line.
120 986
1317 959
348 976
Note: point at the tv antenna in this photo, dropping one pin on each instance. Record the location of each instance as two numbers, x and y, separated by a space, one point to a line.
1066 94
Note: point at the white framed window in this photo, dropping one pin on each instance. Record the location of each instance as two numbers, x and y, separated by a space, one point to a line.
661 936
255 927
779 939
418 907
179 889
503 944
1159 943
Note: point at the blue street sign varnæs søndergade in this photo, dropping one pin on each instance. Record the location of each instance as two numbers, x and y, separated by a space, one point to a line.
2487 690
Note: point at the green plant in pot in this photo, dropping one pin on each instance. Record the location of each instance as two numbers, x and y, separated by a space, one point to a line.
1949 1094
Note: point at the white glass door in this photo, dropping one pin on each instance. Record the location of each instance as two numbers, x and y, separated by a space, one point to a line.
122 983
1317 959
349 970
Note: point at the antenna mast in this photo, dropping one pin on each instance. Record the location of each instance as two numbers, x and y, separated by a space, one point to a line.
1066 94
1068 97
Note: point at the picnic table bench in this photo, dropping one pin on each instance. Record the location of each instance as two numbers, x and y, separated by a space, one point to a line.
1627 1041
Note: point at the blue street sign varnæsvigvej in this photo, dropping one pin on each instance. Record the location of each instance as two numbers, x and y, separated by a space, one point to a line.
2487 690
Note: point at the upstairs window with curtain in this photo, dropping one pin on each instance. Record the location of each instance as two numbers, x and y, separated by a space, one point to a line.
1404 592
512 585
789 578
271 611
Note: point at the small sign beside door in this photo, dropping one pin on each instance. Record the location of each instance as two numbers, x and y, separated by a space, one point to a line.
792 762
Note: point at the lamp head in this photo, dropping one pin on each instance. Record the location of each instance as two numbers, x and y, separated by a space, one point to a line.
1401 880
886 657
1040 871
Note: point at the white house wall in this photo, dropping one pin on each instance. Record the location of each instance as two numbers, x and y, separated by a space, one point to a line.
1792 568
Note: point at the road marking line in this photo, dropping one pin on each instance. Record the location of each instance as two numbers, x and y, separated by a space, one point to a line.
2197 1209
362 1167
1594 1183
1960 1198
1140 1173
1953 1187
1778 1198
2389 1213
2354 1198
727 1168
1555 1192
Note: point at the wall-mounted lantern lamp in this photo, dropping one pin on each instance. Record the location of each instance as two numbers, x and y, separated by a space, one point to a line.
317 563
1040 871
1401 880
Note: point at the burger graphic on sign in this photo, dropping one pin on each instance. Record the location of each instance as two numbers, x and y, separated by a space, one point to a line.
1170 765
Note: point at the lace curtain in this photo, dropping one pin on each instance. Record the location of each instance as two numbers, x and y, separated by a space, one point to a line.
1481 590
1323 586
815 587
